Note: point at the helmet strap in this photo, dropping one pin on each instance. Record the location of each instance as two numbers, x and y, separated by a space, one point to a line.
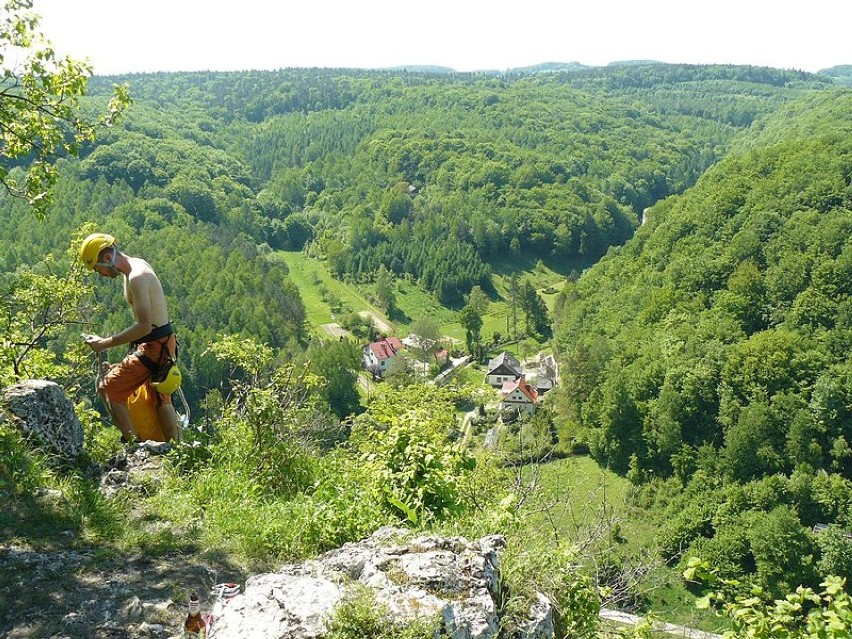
111 263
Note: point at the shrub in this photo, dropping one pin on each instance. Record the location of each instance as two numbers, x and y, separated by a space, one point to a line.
835 553
728 551
688 524
404 439
801 614
359 616
555 571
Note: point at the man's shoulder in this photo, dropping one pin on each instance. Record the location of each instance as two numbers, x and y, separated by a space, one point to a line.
139 268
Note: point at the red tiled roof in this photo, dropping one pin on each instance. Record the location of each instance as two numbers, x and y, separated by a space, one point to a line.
386 348
520 383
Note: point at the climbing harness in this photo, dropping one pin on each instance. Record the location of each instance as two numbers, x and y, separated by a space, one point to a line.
166 377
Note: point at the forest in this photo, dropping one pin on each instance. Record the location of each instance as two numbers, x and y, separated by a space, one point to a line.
370 169
708 356
703 348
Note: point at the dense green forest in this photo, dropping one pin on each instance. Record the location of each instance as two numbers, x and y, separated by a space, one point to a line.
703 349
430 175
708 357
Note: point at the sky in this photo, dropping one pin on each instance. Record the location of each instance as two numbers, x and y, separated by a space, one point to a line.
125 36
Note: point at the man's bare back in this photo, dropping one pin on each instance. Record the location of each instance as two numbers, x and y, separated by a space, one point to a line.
142 284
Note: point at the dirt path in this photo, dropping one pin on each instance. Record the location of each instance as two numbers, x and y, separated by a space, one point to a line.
381 324
93 595
335 330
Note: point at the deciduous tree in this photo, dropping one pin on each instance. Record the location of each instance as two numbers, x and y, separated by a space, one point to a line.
39 105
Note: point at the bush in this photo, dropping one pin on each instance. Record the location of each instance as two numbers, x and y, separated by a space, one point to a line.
688 524
556 572
728 552
835 553
405 440
801 614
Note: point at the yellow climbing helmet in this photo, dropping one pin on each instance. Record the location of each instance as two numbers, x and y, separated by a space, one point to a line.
170 383
92 246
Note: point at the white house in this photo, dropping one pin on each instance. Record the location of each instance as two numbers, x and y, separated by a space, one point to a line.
518 395
379 357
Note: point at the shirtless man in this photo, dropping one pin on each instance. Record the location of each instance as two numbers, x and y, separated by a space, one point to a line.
151 338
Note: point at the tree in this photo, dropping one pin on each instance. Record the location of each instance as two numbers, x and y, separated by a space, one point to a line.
297 231
428 333
535 310
478 300
385 289
337 363
39 100
514 300
36 313
471 321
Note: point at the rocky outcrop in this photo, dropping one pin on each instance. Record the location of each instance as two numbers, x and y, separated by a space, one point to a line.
41 410
454 581
137 468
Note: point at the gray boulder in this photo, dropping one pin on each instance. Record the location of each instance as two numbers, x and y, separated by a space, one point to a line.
452 580
40 409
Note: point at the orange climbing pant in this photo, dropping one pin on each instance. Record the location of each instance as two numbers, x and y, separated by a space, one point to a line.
122 379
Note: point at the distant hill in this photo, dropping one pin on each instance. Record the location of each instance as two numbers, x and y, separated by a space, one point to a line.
551 66
841 74
422 68
632 63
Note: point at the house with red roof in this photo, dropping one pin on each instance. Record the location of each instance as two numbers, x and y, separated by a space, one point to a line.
379 357
518 396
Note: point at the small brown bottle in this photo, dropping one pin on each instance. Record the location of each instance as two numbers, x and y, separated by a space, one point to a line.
194 626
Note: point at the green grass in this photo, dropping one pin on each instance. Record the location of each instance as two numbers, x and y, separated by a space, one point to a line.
312 277
579 491
413 303
575 496
317 287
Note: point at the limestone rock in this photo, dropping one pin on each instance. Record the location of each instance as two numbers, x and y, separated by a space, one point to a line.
41 409
540 623
452 580
138 469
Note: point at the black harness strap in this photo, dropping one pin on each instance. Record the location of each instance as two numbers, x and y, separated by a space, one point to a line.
160 368
158 332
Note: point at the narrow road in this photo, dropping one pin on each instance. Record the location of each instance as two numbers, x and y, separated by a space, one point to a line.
668 628
381 324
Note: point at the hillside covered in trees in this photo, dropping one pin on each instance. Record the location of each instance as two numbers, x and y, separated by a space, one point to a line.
708 357
703 352
432 176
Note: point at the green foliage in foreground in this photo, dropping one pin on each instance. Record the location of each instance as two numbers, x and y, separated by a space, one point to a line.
404 438
802 614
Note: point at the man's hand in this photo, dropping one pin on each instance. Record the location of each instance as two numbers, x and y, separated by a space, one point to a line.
95 342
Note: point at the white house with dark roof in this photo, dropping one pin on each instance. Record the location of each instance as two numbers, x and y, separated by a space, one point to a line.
379 357
503 368
518 395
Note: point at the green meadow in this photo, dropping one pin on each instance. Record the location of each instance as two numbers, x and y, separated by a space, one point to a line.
322 293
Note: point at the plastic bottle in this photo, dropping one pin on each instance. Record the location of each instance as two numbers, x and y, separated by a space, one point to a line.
194 626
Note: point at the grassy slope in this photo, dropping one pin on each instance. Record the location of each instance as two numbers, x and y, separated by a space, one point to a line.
311 275
576 494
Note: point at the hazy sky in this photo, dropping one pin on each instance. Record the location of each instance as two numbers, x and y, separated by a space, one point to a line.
119 36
